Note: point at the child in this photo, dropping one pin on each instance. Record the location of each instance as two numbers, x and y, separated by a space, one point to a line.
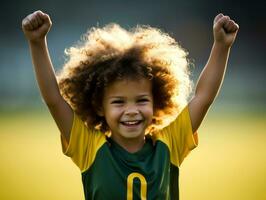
120 104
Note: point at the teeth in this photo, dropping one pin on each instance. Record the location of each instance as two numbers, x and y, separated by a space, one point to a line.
131 122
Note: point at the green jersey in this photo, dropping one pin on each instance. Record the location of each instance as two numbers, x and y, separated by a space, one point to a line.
110 172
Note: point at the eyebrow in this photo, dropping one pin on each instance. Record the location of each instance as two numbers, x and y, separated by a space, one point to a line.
121 97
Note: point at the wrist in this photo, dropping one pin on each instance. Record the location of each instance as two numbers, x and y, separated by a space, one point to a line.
38 42
221 45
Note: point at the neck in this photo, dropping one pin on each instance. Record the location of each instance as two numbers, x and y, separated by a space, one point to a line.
131 145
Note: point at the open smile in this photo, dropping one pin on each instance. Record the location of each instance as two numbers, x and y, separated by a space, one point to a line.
131 123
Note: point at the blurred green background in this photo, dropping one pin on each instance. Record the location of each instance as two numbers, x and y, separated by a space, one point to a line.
230 161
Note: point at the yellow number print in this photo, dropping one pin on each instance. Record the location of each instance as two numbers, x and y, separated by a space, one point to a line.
143 184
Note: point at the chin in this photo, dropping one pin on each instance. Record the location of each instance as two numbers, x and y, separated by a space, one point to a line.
132 135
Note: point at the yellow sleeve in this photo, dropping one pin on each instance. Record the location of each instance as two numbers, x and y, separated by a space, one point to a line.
83 144
179 137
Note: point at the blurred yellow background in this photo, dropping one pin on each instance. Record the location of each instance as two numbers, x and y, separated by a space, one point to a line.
230 161
228 164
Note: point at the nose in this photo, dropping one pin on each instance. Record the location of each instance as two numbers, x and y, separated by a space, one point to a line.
131 111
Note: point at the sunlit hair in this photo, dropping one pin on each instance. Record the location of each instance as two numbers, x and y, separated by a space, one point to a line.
112 53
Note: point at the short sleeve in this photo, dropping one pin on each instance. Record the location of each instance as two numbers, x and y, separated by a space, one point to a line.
179 137
83 144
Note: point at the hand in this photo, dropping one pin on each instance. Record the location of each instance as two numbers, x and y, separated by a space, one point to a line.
36 26
224 30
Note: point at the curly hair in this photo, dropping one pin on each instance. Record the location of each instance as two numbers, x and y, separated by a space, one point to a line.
112 53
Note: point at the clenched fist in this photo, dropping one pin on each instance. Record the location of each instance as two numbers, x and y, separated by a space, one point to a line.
224 30
36 26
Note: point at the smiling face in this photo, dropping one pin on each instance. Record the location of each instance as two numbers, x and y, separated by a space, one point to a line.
128 109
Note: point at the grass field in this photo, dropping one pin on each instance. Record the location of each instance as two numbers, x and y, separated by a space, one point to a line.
228 164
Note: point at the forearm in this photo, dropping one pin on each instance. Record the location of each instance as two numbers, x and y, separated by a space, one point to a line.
211 77
44 72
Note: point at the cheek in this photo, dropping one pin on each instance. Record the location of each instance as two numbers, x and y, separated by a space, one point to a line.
148 111
113 113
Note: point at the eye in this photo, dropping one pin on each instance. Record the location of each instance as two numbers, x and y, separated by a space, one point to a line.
117 102
143 100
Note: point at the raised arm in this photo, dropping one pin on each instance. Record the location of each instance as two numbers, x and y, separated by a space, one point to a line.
35 27
211 77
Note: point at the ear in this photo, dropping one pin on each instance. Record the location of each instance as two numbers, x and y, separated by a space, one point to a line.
100 112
